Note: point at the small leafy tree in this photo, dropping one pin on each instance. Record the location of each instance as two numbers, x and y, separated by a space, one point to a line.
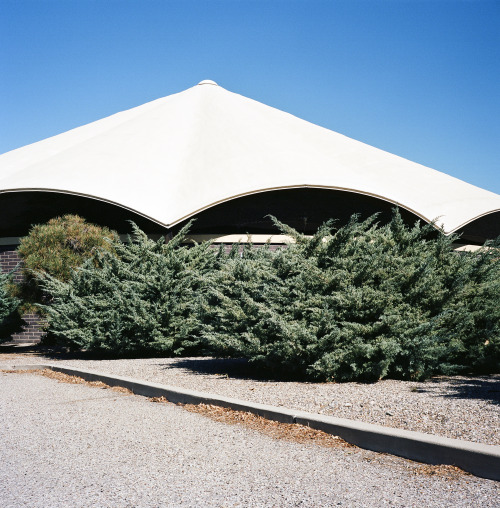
56 248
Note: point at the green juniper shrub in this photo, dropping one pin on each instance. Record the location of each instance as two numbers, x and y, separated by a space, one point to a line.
358 303
10 320
138 299
474 311
56 248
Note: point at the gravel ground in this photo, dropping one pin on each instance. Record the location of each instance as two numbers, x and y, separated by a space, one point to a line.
465 408
77 446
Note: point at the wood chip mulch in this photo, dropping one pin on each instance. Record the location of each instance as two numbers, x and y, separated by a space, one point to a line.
277 430
305 435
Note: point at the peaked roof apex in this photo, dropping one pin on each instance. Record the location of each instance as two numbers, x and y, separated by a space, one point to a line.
208 82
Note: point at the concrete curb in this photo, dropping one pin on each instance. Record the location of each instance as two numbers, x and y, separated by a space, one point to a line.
479 459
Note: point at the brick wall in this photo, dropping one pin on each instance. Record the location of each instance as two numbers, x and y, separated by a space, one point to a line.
9 259
31 332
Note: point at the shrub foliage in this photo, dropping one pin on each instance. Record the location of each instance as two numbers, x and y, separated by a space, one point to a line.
10 320
361 302
358 303
140 298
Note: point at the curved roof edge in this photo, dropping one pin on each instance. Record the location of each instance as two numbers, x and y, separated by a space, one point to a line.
304 186
474 219
82 195
428 220
249 193
220 201
433 221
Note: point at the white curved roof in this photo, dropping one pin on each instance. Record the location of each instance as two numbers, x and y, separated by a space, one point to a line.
175 156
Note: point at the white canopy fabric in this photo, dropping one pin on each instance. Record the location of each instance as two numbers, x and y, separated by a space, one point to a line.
173 157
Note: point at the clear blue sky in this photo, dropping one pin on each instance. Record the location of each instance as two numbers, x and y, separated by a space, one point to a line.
420 79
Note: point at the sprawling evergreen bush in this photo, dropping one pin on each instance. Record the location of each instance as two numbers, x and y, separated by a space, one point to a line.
56 248
140 298
358 303
10 320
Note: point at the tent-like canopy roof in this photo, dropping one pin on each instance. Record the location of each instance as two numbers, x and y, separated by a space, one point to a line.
173 157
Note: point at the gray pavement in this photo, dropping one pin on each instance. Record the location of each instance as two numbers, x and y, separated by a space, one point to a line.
76 446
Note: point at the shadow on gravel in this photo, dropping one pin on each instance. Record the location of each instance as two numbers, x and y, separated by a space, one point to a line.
62 353
485 388
51 352
238 368
30 350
